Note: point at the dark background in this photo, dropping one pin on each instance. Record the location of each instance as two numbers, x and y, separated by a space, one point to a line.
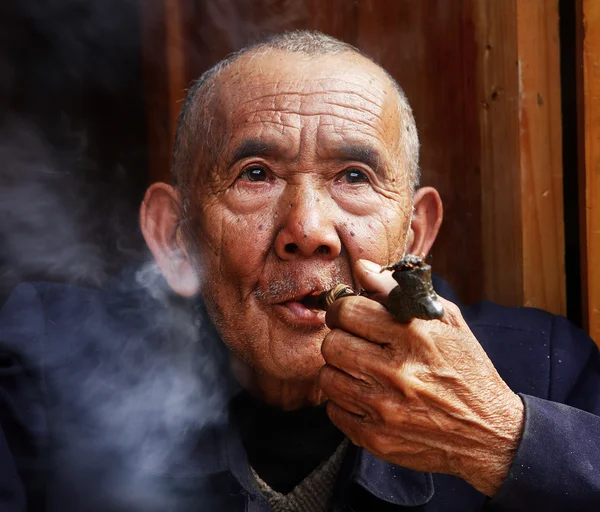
73 151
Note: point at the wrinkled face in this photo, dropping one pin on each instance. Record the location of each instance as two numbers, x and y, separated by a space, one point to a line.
310 178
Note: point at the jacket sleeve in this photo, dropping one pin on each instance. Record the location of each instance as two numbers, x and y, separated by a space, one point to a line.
557 463
21 417
12 493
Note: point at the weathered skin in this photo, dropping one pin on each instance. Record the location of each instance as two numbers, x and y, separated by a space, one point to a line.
300 213
421 394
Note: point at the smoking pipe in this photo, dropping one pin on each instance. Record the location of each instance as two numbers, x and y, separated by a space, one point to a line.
414 297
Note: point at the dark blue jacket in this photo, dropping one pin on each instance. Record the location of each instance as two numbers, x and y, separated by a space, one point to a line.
117 401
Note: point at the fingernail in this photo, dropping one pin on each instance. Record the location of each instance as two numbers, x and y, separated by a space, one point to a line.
369 266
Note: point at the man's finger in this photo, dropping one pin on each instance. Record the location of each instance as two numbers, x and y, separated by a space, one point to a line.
377 284
364 318
355 356
342 389
350 424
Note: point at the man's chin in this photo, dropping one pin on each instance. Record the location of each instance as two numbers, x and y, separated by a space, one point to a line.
302 367
293 351
289 381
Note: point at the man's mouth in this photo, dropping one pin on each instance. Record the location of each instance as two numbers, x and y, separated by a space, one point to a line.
312 301
302 311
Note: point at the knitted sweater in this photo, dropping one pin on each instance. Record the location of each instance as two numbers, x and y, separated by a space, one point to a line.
313 493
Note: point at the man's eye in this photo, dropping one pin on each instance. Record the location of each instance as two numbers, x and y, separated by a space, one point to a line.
255 174
355 176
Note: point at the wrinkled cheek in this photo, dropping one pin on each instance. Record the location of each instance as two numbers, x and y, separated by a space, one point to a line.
379 238
245 247
233 247
397 234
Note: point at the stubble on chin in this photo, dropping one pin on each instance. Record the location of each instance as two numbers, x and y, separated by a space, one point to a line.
281 361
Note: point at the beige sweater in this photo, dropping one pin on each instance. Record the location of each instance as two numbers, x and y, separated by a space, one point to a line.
313 493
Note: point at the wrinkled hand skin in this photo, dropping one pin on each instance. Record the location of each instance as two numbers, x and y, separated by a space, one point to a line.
423 395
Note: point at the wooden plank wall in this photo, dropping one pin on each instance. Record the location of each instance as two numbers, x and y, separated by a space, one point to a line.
430 48
520 123
485 133
588 16
540 137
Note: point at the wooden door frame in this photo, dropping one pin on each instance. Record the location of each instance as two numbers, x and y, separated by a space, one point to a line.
588 103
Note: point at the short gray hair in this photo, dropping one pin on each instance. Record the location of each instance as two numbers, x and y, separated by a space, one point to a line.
197 115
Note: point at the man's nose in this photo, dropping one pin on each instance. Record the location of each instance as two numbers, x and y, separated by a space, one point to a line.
308 229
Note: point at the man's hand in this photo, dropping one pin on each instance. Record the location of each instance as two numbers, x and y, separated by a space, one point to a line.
423 395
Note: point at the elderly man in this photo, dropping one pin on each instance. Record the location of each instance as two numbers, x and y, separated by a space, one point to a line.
295 169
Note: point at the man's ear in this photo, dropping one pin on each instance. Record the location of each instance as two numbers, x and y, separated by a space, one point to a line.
161 215
426 221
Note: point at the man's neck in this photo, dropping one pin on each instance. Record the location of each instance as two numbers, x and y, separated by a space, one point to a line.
284 447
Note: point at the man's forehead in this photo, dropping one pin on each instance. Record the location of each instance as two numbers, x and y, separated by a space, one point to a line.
277 75
349 99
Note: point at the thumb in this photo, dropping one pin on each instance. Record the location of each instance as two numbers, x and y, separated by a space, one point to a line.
376 283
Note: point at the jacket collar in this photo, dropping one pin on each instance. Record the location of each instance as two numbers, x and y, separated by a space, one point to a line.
443 289
391 483
223 452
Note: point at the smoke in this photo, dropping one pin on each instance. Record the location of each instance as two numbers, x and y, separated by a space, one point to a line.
72 139
43 209
133 374
132 401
